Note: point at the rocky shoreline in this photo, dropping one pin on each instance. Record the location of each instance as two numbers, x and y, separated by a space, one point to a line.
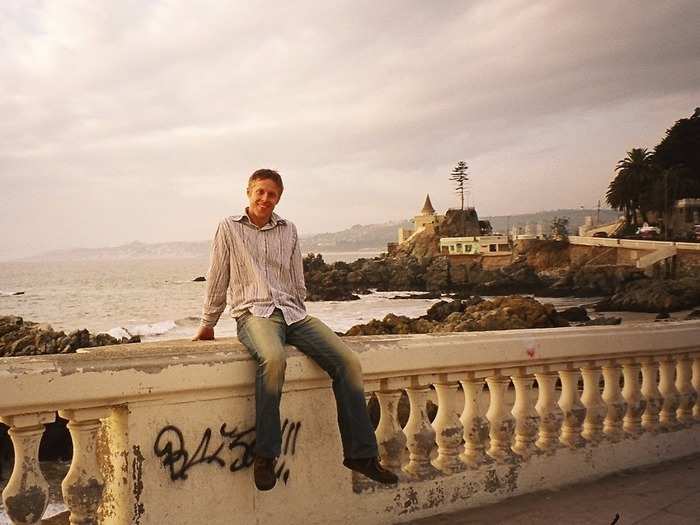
478 314
21 338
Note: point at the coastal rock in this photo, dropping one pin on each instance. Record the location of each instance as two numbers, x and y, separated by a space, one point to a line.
655 296
501 313
695 314
19 337
603 321
199 279
575 314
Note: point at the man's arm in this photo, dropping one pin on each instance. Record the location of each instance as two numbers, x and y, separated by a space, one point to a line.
217 284
297 269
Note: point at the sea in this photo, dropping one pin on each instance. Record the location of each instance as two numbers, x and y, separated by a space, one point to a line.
158 299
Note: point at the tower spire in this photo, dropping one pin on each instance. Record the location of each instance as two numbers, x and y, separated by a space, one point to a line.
428 206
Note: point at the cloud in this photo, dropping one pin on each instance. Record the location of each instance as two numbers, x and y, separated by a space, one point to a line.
364 107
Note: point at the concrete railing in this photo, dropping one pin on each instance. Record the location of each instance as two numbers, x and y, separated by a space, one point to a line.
163 433
634 244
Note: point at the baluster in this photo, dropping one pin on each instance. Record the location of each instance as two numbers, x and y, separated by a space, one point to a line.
572 409
696 386
685 391
525 417
475 428
82 486
448 429
615 403
548 410
500 419
593 401
420 436
632 422
390 436
27 493
652 397
669 393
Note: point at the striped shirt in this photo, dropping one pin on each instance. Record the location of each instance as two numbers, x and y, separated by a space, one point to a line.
260 268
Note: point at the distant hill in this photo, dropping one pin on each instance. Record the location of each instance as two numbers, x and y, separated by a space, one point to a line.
357 238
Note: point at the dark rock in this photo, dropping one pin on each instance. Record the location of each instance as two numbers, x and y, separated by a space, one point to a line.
653 295
662 315
695 314
574 314
199 279
501 313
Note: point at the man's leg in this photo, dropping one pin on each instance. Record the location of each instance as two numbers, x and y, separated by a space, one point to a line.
264 338
320 343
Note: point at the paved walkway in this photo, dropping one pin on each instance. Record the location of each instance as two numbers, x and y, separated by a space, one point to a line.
663 494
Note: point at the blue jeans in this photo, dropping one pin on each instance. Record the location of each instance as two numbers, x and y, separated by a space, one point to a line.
264 338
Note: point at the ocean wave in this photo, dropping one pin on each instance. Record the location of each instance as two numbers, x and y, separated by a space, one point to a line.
144 330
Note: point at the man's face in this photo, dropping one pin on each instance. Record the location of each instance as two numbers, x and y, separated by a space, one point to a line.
263 196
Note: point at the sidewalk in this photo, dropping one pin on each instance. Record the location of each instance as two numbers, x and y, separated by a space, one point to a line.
663 494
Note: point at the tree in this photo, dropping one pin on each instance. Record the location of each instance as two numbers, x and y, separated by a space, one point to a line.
560 228
459 175
634 174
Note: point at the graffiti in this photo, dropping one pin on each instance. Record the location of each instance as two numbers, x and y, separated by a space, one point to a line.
170 445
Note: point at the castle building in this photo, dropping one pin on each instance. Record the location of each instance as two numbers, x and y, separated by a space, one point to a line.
426 219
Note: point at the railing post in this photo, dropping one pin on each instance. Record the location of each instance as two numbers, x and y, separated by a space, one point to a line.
500 420
572 409
632 422
475 428
390 436
684 413
82 486
548 410
448 429
669 392
525 416
652 397
615 403
27 493
593 401
420 436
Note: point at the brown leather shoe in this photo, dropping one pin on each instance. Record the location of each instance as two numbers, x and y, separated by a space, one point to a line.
264 473
371 468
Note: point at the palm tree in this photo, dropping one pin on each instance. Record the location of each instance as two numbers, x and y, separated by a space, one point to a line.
633 175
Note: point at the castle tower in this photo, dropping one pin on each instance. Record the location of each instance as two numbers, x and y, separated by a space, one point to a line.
427 207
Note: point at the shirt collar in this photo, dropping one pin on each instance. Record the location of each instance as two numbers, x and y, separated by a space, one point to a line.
274 220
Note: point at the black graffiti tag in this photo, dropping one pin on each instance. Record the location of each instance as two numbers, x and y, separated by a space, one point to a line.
178 459
170 445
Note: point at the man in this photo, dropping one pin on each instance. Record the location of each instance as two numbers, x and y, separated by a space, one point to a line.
256 256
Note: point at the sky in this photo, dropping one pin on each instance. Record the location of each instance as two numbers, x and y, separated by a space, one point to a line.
141 120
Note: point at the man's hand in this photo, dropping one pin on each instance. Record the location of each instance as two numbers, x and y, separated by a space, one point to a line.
205 333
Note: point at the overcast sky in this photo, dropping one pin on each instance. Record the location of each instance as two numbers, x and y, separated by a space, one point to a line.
135 120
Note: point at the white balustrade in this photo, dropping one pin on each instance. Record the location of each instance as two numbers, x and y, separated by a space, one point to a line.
420 436
500 419
82 487
686 392
448 429
548 411
572 409
632 421
614 402
669 393
390 436
27 493
652 396
475 426
595 407
525 416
